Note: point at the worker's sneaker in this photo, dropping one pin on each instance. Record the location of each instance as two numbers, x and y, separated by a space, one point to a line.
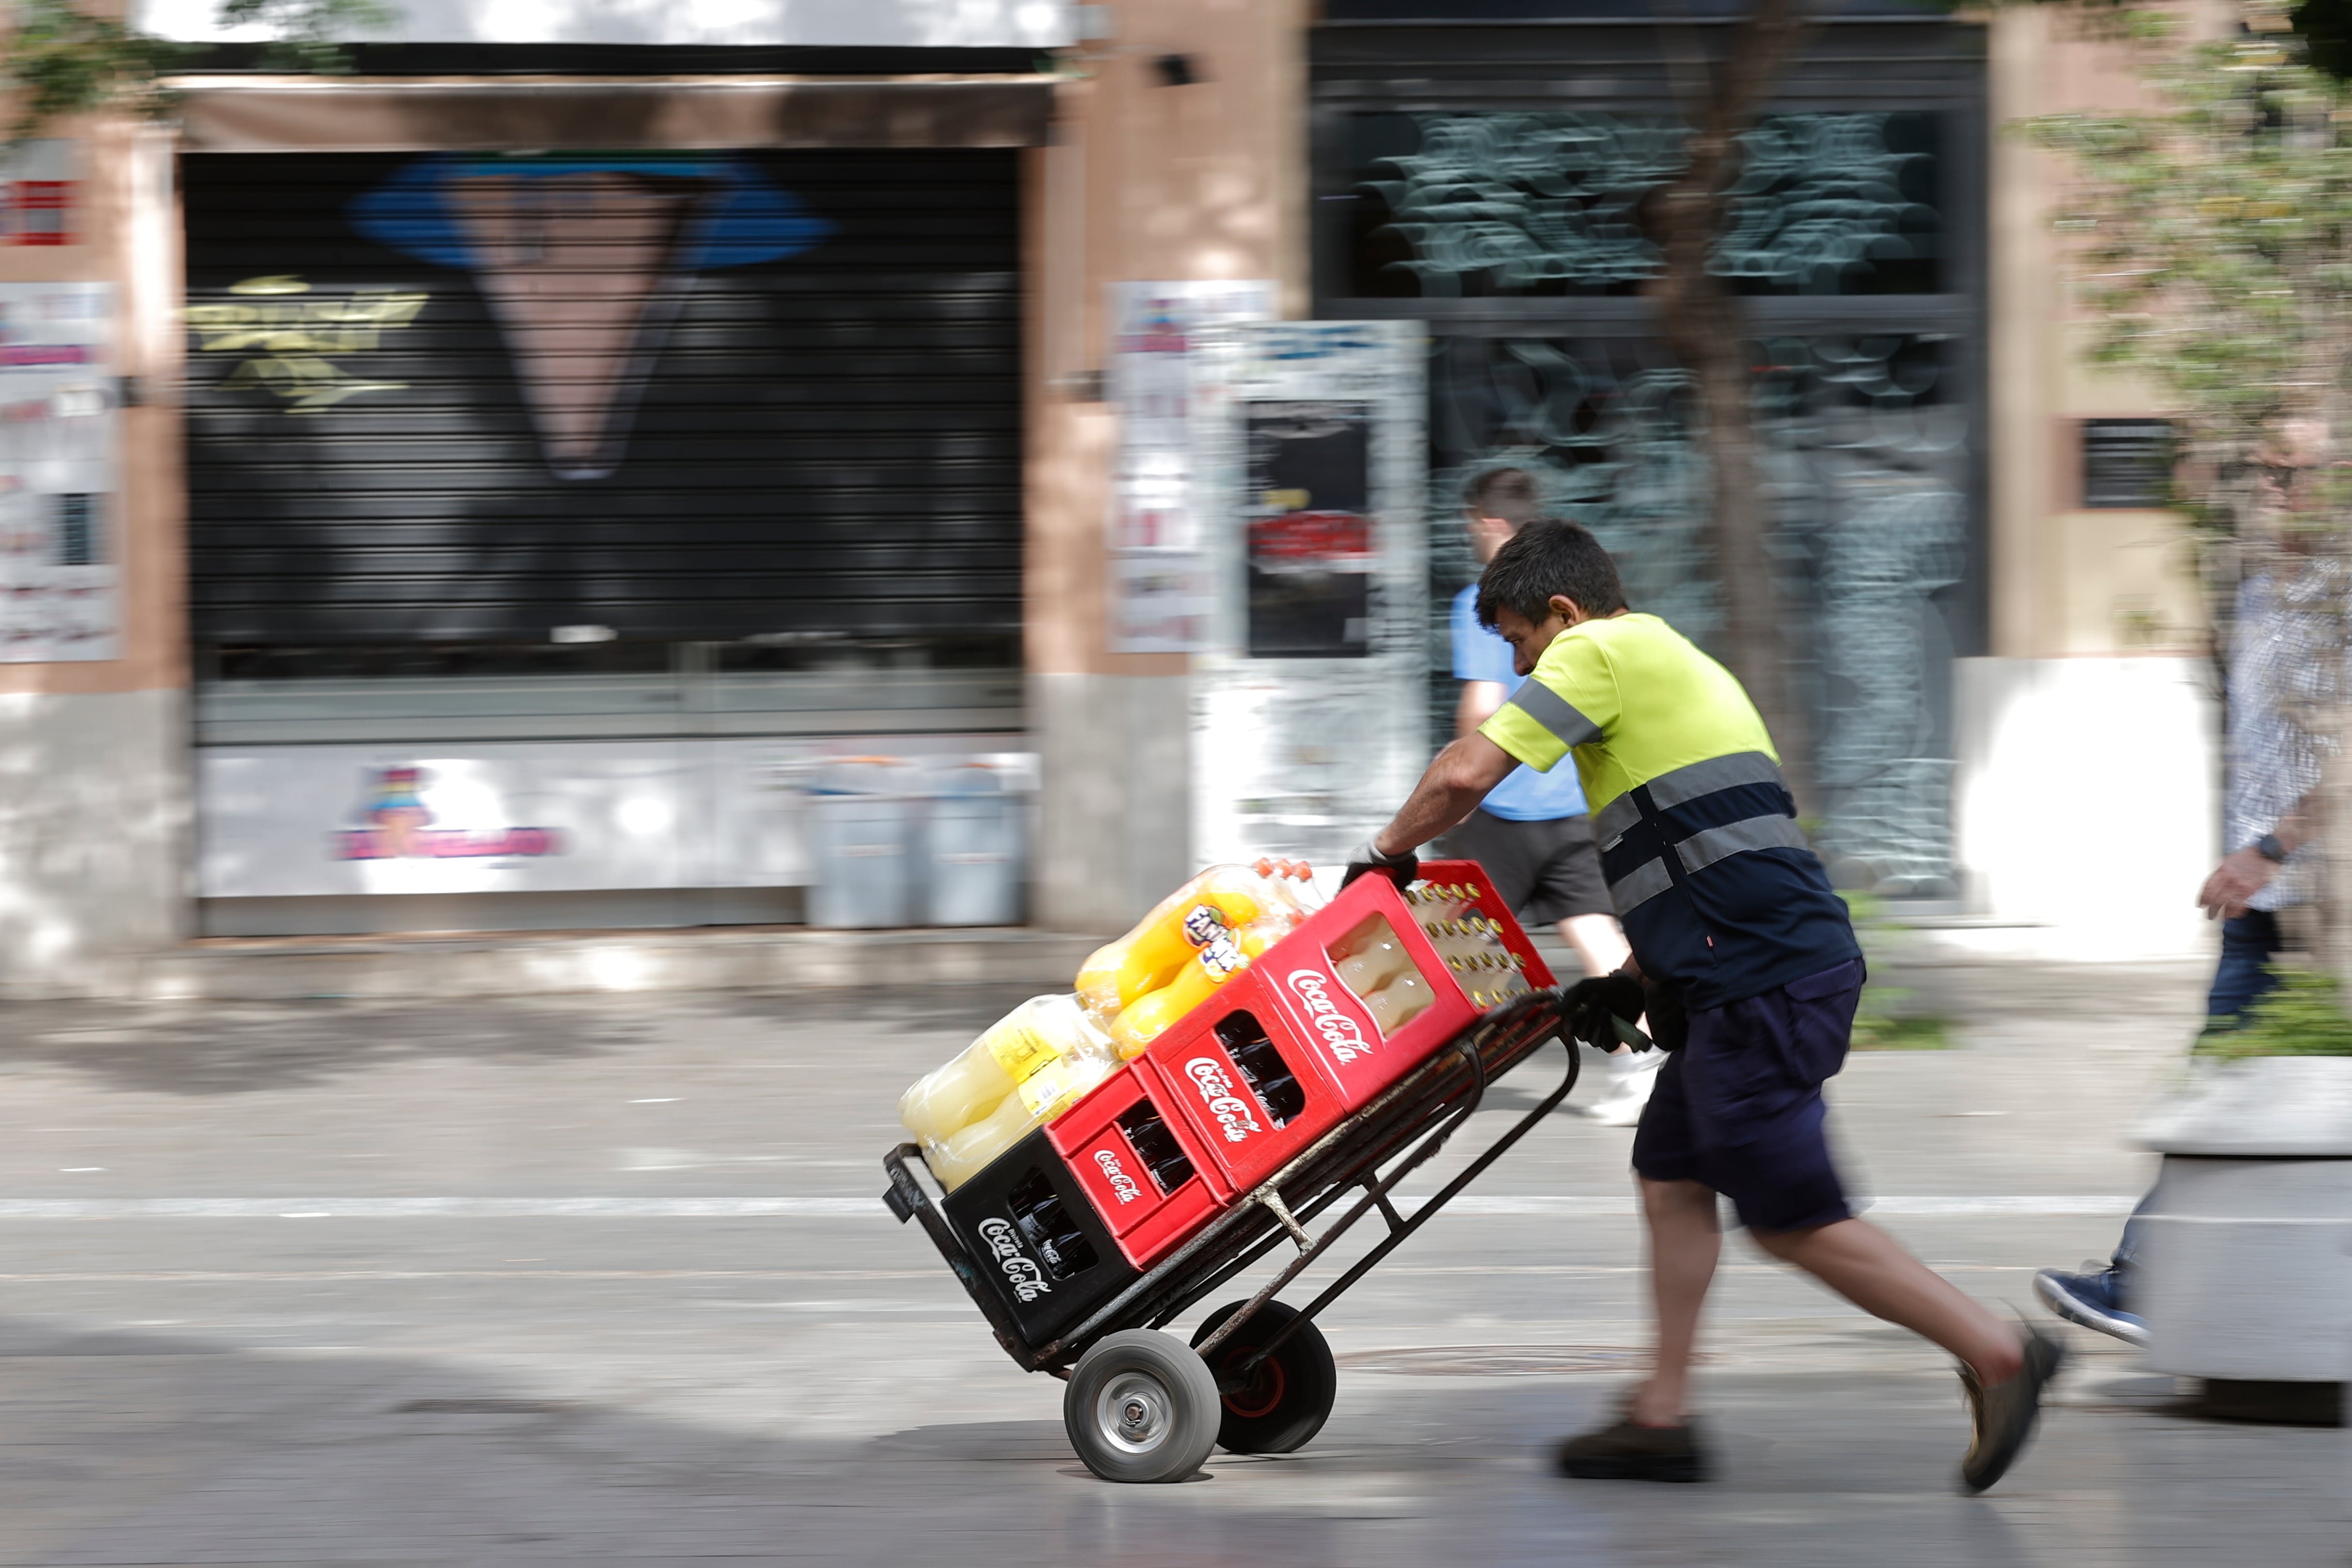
1625 1452
2094 1298
2004 1414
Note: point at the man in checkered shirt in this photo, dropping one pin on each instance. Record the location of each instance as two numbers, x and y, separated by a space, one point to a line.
2286 668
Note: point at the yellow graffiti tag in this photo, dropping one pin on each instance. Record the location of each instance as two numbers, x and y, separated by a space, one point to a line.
288 339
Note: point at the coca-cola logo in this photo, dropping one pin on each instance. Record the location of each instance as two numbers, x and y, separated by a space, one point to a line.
1028 1279
1342 1034
1122 1184
1234 1115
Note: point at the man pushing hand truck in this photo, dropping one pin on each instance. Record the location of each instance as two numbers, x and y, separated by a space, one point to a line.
1745 963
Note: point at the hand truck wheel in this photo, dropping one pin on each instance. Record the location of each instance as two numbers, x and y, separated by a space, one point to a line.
1139 1407
1288 1397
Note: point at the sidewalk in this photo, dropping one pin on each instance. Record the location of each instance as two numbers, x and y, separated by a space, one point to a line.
593 1280
782 958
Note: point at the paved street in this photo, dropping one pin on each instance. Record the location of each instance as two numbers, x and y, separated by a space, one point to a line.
323 1283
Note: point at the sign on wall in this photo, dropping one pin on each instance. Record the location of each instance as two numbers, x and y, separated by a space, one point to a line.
40 196
1309 697
280 821
1159 583
59 474
902 24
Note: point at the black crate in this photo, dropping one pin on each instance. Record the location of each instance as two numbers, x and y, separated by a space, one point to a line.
1037 1240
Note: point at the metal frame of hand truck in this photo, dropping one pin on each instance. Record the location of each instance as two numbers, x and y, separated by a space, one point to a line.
1406 1125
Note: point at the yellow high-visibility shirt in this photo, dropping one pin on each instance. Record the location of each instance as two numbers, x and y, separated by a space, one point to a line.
1718 889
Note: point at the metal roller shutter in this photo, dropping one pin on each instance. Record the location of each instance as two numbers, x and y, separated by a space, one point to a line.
700 397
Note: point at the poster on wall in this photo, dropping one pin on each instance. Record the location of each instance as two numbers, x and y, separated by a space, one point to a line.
1308 709
59 474
280 821
1158 582
1308 500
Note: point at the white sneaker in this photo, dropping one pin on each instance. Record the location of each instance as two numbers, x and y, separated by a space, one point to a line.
1631 1075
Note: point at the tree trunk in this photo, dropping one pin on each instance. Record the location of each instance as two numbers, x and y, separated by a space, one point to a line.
1705 325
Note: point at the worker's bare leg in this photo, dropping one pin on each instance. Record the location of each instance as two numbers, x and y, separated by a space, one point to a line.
1684 1240
1598 942
1873 1271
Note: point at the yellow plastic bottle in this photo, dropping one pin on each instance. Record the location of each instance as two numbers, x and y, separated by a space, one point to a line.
1222 899
1139 1025
1044 1095
967 1090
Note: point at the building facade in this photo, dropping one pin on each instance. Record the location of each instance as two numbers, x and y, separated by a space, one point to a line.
511 476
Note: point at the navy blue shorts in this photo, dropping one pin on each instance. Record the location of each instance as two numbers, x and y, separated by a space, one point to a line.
1739 1107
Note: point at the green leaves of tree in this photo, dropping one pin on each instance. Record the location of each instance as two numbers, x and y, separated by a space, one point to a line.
62 60
2212 246
307 37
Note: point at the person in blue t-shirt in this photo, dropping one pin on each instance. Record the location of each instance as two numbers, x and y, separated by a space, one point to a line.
1532 833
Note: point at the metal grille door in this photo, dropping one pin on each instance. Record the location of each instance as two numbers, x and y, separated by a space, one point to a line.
699 397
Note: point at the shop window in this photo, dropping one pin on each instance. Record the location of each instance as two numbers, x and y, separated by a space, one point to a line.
1526 205
78 538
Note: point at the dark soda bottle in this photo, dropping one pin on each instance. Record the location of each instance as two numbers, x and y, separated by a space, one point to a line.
1038 1210
1157 1147
1269 1077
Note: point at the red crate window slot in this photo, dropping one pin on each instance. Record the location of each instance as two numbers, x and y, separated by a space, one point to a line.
1156 1146
1372 961
1272 1082
1046 1224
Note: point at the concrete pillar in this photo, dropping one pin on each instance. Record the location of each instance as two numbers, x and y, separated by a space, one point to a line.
94 797
1145 182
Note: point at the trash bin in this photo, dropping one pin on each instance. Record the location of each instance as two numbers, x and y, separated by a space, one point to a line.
973 848
862 837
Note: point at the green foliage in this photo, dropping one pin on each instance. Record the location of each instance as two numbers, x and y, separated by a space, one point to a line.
1874 1031
65 61
2214 253
305 35
1875 1025
2304 1015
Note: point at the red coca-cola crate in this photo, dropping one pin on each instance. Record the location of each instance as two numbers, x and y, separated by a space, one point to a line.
1244 1077
1336 1024
1275 1058
1140 1164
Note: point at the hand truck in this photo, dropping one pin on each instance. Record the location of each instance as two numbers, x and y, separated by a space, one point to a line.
1258 1377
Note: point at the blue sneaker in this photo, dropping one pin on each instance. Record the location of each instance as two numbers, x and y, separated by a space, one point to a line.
2093 1299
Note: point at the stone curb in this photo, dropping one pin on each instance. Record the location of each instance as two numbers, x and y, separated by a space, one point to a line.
440 968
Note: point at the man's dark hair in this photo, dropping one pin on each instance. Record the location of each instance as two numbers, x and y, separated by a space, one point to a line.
1509 494
1553 556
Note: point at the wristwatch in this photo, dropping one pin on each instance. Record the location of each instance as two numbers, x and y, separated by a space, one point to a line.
2270 849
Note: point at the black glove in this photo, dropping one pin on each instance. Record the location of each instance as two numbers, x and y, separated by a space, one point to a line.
1400 868
1595 1006
1669 1025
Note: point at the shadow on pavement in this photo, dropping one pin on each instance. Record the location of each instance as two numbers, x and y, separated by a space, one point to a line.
240 1048
160 1449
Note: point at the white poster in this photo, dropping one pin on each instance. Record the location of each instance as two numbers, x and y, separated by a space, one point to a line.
59 474
1159 585
289 821
280 821
1311 708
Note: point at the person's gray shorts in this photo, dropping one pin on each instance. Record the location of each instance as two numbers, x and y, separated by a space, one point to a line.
1545 871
